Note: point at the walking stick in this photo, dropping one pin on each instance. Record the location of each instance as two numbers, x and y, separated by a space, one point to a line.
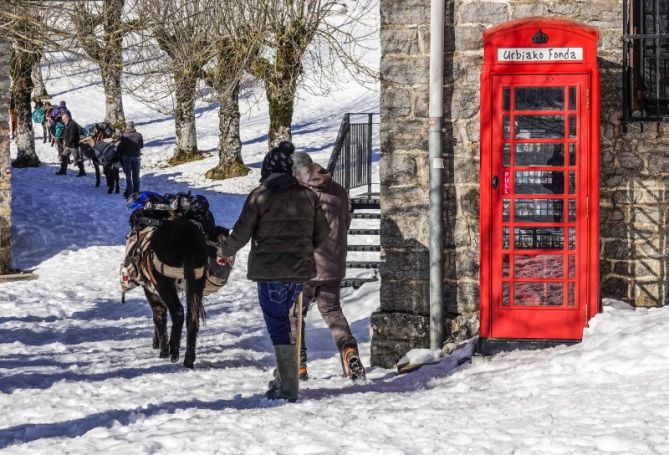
298 341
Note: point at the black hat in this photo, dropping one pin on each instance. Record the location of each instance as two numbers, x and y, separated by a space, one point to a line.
278 160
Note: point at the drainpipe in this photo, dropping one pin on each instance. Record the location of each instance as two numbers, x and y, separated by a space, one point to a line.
436 170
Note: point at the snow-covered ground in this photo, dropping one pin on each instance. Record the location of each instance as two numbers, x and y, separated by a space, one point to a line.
78 375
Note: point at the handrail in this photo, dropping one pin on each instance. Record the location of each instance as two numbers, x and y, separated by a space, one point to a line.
351 160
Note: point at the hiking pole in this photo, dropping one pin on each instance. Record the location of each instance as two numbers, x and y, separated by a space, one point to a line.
298 341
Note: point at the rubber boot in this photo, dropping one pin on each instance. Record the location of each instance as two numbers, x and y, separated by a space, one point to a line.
285 385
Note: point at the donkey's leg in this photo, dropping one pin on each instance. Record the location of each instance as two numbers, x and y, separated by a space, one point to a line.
159 322
168 294
194 312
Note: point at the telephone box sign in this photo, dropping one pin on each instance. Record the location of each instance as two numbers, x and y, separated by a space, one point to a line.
539 179
545 54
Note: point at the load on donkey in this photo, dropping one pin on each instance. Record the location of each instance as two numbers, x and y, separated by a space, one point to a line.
172 246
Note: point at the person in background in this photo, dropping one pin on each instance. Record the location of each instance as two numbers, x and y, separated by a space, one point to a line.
48 122
284 222
57 131
39 118
63 109
71 137
330 257
130 150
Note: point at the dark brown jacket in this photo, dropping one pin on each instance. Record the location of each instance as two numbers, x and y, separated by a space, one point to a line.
285 222
331 256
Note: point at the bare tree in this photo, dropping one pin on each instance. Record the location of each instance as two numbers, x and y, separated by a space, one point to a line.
180 30
237 33
100 28
39 88
316 32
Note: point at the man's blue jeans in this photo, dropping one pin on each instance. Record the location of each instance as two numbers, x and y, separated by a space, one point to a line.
276 298
131 171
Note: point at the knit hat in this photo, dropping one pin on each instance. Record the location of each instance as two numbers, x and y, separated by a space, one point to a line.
300 160
278 160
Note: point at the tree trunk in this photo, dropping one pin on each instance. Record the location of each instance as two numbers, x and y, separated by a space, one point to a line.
39 89
22 85
5 178
111 81
184 118
229 148
281 100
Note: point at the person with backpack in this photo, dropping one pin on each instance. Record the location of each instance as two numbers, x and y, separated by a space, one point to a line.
71 137
48 108
285 223
39 118
130 151
57 131
330 257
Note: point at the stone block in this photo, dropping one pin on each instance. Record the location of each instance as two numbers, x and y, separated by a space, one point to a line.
616 288
406 295
405 12
649 294
405 71
395 102
399 40
469 37
518 11
400 326
482 12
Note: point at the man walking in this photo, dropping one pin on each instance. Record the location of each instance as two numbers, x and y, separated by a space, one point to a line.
71 136
330 265
286 223
129 149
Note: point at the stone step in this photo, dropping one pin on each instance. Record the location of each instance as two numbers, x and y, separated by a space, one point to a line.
364 232
366 216
355 283
372 265
364 248
365 203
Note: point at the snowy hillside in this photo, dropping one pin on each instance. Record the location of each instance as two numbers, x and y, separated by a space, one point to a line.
78 375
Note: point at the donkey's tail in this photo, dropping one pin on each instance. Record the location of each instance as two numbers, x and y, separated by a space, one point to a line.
194 293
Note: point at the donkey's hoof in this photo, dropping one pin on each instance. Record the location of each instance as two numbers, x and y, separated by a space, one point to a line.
174 358
164 354
188 364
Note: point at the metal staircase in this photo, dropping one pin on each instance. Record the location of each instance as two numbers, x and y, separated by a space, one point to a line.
351 166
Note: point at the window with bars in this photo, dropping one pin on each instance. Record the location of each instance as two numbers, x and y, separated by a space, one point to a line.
646 59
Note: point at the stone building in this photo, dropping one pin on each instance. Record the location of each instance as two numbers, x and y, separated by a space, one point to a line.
633 179
5 162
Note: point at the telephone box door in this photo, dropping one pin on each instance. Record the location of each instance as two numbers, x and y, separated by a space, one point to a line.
539 239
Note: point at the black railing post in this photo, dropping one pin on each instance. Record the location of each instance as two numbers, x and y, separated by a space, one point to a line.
369 153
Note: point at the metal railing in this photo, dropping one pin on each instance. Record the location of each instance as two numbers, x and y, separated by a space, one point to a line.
351 160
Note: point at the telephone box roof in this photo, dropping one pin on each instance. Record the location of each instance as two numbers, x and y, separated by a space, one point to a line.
553 23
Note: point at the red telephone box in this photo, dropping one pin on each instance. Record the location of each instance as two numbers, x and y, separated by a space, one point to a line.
539 181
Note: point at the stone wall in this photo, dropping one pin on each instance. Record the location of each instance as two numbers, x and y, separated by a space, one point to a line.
5 162
635 170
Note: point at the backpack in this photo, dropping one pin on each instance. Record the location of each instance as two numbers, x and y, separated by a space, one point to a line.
39 116
105 153
58 130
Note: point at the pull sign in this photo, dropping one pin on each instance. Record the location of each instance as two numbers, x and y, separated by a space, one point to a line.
540 54
507 182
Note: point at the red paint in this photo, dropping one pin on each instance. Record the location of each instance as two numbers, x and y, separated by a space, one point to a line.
534 116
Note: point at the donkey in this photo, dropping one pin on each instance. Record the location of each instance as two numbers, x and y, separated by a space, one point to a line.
178 254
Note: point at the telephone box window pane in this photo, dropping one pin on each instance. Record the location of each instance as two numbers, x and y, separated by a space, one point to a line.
505 238
539 126
572 238
572 154
506 154
538 266
572 182
539 154
572 295
506 204
539 238
505 265
539 182
572 126
505 294
572 210
539 210
572 98
538 294
539 98
507 127
572 266
507 98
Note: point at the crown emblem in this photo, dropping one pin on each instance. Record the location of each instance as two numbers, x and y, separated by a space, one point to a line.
539 37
